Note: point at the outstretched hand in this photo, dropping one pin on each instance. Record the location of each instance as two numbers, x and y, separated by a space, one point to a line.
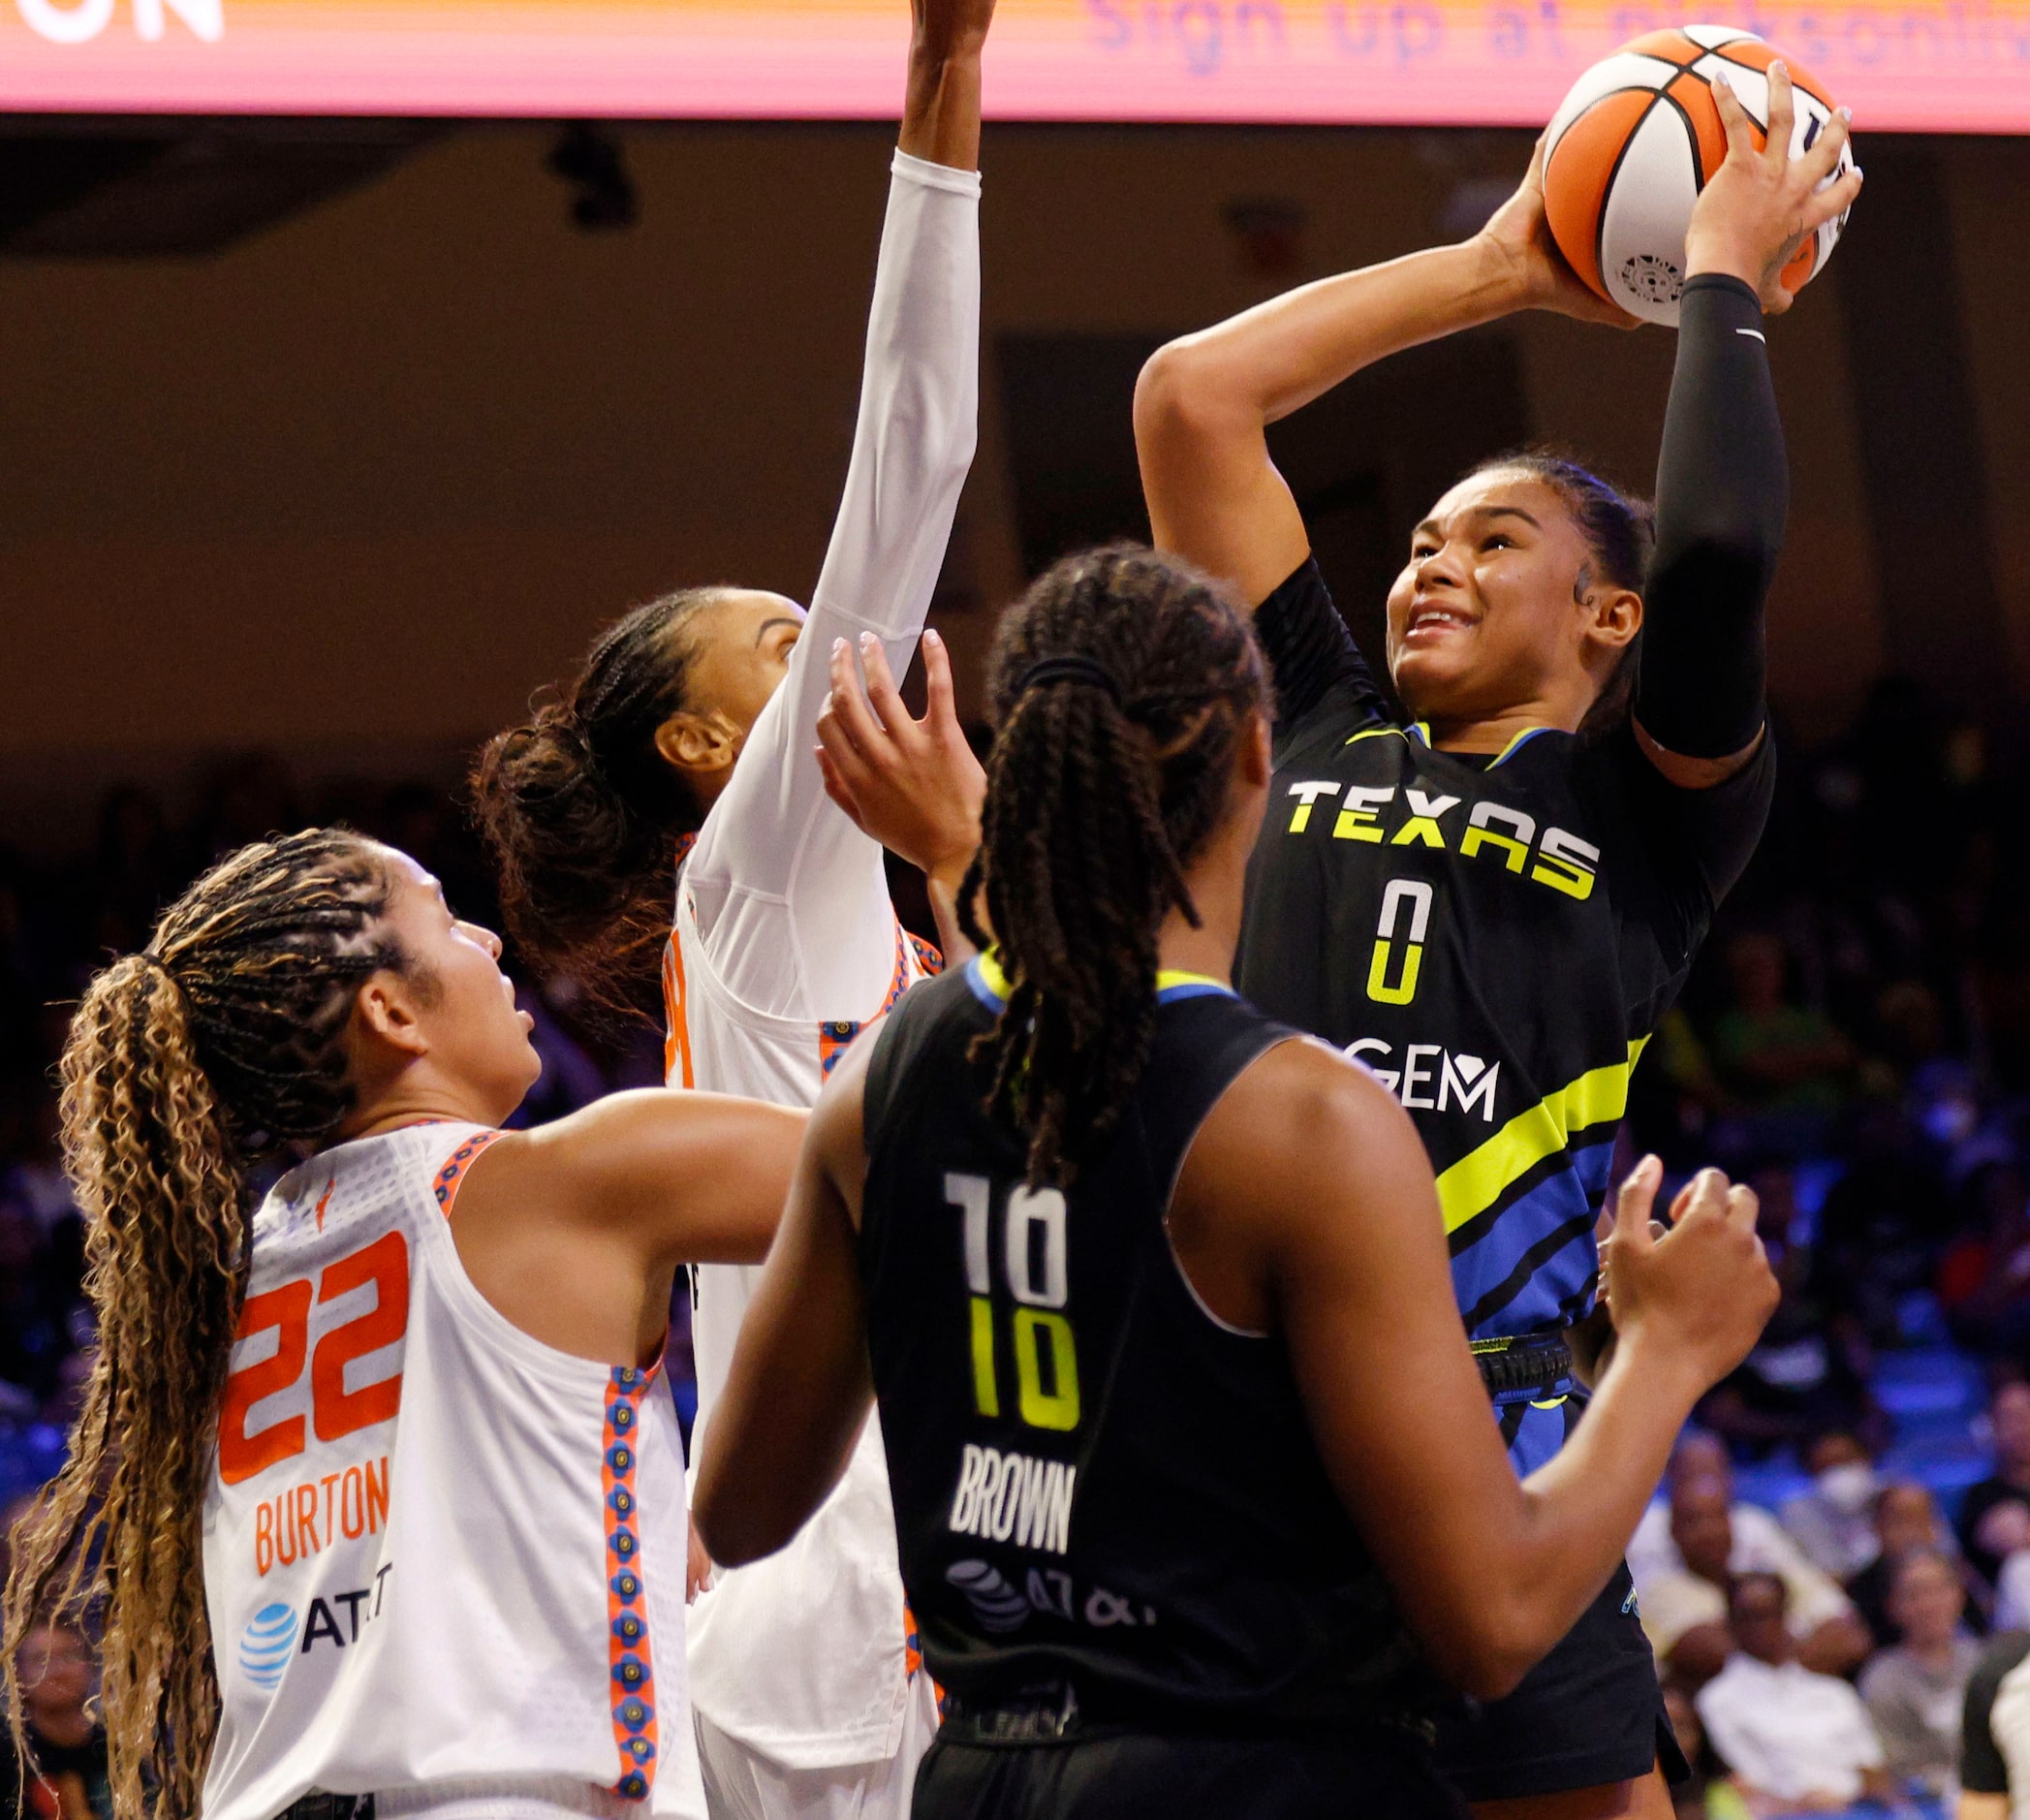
1520 233
1757 209
1701 1293
914 785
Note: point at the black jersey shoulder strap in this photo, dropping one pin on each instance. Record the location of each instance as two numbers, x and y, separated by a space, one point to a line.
916 1024
1206 1041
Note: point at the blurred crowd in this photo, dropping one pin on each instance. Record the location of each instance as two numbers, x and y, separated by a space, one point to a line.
1850 1518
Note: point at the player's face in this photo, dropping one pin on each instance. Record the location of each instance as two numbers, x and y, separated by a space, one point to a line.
1484 618
462 1002
740 648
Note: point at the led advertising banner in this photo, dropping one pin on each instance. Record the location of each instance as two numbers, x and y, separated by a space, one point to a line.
1902 65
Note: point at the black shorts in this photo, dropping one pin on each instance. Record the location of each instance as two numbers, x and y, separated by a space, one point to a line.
1145 1775
1589 1713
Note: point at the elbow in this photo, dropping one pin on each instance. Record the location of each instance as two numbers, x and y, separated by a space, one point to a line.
1182 393
731 1537
1485 1651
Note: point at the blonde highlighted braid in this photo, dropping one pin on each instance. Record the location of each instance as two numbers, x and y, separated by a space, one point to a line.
224 1042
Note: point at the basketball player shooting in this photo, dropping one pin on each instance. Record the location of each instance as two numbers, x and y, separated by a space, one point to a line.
1154 1296
680 761
1494 902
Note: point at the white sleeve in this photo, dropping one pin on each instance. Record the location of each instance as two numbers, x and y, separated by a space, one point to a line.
792 900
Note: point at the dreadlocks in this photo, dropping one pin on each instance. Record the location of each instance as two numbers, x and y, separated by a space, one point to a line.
223 1043
1119 687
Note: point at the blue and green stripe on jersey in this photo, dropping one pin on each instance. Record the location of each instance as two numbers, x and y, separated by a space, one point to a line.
1520 1209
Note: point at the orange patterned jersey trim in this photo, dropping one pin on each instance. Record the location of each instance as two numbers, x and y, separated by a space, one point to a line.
631 1661
452 1176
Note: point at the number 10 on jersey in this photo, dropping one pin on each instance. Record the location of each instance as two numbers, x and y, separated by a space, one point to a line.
1033 1261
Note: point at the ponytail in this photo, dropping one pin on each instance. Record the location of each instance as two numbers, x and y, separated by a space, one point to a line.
582 814
223 1044
1121 686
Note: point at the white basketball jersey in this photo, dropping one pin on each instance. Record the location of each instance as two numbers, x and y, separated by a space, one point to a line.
444 1562
807 1655
783 925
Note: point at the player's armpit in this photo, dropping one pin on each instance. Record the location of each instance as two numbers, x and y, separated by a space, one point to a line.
800 1385
695 1178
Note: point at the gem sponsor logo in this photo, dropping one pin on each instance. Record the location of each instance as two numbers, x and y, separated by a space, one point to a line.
1432 1078
1006 1498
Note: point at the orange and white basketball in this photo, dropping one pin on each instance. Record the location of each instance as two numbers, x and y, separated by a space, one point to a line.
1635 141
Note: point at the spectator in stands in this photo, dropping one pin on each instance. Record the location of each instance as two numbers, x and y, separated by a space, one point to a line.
1760 1541
1916 1692
1995 1738
1907 1522
1793 1738
1834 1521
1984 1280
1994 1521
1808 1372
69 1779
1787 1063
1685 1614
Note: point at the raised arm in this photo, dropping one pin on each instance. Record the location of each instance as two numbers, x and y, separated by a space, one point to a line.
575 1231
1722 481
1205 402
772 836
1344 1247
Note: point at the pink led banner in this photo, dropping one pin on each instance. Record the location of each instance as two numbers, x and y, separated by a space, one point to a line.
1953 65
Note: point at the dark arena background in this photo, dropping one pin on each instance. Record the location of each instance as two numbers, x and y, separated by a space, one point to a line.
353 372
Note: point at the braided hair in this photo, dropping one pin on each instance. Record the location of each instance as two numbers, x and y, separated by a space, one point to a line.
1120 687
582 813
223 1044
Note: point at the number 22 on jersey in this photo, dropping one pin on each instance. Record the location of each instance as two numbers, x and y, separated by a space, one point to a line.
334 1410
1033 1260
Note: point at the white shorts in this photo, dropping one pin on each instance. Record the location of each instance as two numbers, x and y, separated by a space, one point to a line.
742 1784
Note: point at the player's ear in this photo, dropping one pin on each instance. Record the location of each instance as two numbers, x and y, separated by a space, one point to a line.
389 1012
1613 617
697 745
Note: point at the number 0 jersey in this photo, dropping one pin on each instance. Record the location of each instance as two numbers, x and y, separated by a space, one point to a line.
1496 939
1095 1481
444 1562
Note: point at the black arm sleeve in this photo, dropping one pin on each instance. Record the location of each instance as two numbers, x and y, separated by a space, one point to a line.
1314 657
1981 1768
1723 491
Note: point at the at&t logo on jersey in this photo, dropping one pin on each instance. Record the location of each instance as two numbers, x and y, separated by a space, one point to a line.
1432 1078
266 1643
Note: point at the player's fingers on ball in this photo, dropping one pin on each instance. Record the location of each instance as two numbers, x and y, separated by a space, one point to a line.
1836 199
1824 157
1783 115
1733 118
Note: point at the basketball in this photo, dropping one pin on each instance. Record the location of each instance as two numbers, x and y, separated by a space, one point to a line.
1636 139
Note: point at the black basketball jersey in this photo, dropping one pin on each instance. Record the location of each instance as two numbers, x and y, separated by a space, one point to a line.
1496 938
1097 1482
